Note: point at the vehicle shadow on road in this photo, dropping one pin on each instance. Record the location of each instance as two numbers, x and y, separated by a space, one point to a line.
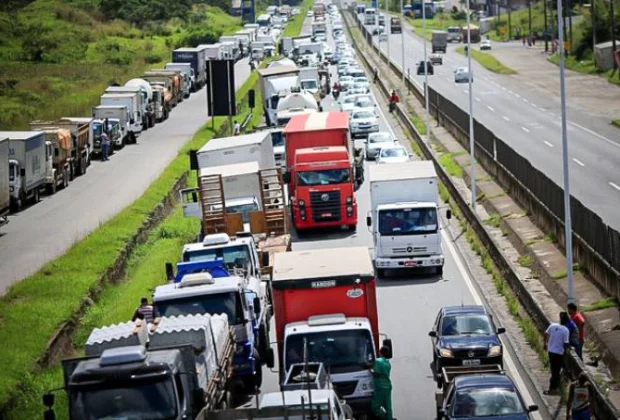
321 235
408 278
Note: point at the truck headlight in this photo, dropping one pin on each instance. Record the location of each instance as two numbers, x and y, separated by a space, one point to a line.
349 209
495 351
367 385
302 203
349 200
445 353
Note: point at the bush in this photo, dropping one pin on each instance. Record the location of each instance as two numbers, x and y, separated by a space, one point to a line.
199 36
152 59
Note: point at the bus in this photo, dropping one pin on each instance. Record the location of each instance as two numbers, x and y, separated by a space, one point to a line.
370 16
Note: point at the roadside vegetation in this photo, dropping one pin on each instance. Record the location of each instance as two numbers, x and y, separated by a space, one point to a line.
297 22
616 123
487 61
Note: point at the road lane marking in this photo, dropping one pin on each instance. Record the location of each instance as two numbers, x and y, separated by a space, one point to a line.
503 88
477 99
578 162
511 92
506 118
525 129
594 133
548 144
526 101
534 105
490 109
614 185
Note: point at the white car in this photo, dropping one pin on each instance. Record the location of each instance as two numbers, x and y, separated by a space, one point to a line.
346 82
362 80
358 89
393 154
348 103
377 141
363 122
462 75
365 101
310 13
355 71
485 44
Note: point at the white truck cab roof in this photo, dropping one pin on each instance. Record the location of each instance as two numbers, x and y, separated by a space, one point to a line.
192 285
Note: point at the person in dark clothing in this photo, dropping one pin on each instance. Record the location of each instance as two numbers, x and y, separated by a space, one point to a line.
394 99
556 344
375 75
144 311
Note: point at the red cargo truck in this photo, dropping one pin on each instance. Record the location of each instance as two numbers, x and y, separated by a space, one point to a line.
326 307
321 175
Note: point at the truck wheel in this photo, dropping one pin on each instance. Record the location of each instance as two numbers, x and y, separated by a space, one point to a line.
380 272
352 228
35 196
258 376
439 270
51 188
84 166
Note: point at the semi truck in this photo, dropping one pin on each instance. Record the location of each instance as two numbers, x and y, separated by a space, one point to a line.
130 101
29 160
171 82
295 103
212 51
5 175
326 298
117 118
319 29
439 41
231 50
177 83
174 371
475 33
404 219
275 83
196 57
141 97
59 145
152 101
188 76
322 171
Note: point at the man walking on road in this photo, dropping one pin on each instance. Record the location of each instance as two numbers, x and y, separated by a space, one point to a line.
236 128
578 404
145 310
556 343
381 404
579 320
105 146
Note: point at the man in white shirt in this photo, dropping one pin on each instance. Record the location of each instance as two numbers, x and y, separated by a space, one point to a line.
556 343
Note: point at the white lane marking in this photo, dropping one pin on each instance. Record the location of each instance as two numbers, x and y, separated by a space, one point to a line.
490 109
525 100
614 185
578 162
534 105
525 129
477 99
506 118
552 114
511 92
594 133
503 88
517 95
548 144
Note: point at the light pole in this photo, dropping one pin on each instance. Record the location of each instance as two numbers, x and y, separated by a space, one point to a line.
387 34
613 31
428 125
402 39
568 229
471 112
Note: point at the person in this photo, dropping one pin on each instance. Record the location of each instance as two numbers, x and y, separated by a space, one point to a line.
336 90
579 320
578 404
105 146
466 49
145 310
393 101
236 128
382 398
573 332
556 343
375 75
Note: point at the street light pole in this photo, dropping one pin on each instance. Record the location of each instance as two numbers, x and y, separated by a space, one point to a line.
427 116
613 31
568 229
402 39
387 33
546 30
471 114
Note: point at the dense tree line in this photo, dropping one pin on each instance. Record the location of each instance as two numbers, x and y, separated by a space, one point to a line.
139 12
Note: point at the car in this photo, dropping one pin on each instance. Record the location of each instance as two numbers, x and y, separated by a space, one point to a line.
363 122
310 13
465 336
376 141
345 83
485 395
365 101
436 58
485 44
420 68
462 75
362 80
393 154
358 89
348 103
355 71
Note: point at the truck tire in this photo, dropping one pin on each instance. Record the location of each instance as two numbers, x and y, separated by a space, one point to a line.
51 188
380 272
65 178
439 270
258 376
352 228
35 196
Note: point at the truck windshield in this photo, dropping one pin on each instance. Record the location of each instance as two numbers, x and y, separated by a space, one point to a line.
234 256
218 303
135 400
309 84
325 177
244 209
12 172
97 129
340 351
277 139
408 221
454 30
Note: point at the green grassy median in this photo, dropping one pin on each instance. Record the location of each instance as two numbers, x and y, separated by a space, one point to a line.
487 61
616 123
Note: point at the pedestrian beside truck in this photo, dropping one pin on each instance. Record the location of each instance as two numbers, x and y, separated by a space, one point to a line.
556 344
580 322
381 404
578 404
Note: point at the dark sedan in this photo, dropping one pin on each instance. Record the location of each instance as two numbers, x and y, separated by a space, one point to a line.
429 68
465 336
490 396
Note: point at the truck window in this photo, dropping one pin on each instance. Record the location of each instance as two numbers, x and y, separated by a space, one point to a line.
277 139
340 351
325 177
244 209
309 84
12 172
408 221
228 303
234 256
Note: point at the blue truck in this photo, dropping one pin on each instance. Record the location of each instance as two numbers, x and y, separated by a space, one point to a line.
197 58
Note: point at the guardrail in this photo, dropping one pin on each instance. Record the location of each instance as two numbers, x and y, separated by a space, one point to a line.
602 407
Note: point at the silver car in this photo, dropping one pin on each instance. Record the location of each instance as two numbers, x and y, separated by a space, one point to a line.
363 121
462 75
376 141
393 154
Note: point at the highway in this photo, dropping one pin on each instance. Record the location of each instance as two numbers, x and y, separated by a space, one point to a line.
408 305
528 120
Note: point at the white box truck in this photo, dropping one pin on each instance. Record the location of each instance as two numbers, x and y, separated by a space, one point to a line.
404 218
276 83
238 149
29 162
140 96
212 51
5 189
117 116
131 101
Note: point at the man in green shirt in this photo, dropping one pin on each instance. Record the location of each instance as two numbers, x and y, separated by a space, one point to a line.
382 397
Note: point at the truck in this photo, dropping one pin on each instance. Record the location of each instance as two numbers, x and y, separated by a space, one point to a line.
319 10
404 219
153 101
212 51
237 149
188 76
162 101
295 103
439 41
177 85
231 50
258 50
475 33
323 171
319 29
196 57
235 40
395 25
310 82
142 98
245 37
29 161
326 298
5 176
177 369
58 141
276 83
454 34
117 117
171 81
131 102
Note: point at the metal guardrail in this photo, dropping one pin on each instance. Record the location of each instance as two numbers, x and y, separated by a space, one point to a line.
602 407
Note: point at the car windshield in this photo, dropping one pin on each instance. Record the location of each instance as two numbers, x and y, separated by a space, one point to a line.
363 115
361 80
418 221
244 209
136 400
233 256
494 402
364 103
350 99
380 138
340 351
218 303
325 177
309 84
346 79
393 152
466 325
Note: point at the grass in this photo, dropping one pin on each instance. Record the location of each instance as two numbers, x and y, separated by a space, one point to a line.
419 124
560 275
452 168
587 67
601 304
297 22
525 260
487 61
616 123
519 19
494 220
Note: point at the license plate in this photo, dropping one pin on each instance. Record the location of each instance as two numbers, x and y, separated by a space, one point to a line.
326 215
411 264
471 362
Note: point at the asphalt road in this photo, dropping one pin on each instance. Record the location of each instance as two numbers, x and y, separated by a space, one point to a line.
408 304
48 229
529 121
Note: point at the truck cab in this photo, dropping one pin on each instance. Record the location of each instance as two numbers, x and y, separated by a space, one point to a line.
114 131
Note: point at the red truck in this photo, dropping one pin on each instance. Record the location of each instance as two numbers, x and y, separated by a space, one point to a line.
326 307
322 172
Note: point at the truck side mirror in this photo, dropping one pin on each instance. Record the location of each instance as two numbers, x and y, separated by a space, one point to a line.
448 214
270 358
169 271
501 330
286 177
387 343
56 152
432 334
532 408
194 197
265 259
368 221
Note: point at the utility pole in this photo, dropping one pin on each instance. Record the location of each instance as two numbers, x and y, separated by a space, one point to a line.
472 148
546 29
509 25
529 12
593 17
613 31
428 125
402 38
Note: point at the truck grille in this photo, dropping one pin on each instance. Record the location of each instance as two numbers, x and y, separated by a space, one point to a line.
325 206
463 353
345 388
410 250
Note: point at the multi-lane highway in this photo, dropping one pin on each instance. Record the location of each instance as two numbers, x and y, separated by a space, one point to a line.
529 121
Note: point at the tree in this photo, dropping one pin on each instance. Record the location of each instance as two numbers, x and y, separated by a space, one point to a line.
11 8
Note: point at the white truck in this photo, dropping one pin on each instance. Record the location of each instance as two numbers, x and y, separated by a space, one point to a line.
142 97
153 101
118 118
29 161
238 149
231 50
238 53
319 29
212 51
404 216
258 50
5 175
296 103
130 101
188 76
309 80
174 371
276 83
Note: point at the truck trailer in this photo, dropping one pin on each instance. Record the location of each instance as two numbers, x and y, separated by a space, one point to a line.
142 96
238 149
131 102
5 188
439 41
118 127
275 83
188 76
153 102
196 57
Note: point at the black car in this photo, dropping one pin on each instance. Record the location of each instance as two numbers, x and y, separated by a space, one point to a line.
429 67
465 336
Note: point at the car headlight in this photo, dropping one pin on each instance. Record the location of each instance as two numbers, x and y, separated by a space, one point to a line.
495 351
445 353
